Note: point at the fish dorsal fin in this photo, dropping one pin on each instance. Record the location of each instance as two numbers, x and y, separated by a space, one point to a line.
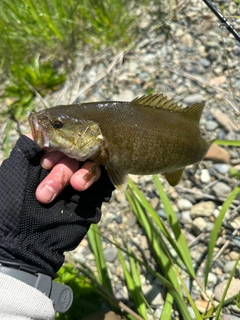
159 101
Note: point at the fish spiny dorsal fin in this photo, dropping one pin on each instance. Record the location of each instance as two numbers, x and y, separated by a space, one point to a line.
159 101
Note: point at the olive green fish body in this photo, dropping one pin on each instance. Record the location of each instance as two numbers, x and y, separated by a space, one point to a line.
148 135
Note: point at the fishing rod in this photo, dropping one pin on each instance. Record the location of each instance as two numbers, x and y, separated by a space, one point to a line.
223 20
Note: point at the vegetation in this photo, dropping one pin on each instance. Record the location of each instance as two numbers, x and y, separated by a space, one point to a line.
39 38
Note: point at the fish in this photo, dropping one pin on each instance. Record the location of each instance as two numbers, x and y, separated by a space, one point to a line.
152 134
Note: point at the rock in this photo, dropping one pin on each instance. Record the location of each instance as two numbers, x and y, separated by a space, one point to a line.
224 120
228 267
184 204
233 255
207 295
212 279
229 317
221 189
212 55
186 218
211 125
205 176
221 167
236 50
107 218
154 202
126 95
232 136
202 209
110 254
193 98
217 154
202 305
187 40
217 81
121 199
103 315
232 290
235 224
153 294
234 308
199 224
205 62
237 84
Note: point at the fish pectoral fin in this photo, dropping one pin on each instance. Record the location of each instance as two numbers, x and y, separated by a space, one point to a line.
119 179
174 177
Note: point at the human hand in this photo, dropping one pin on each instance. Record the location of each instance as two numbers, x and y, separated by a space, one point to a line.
39 233
64 171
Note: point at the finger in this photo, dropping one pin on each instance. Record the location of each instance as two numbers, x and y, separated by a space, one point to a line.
57 180
49 160
77 180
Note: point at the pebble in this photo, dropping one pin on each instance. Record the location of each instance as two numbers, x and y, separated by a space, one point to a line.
184 204
221 167
199 224
229 317
205 176
228 267
153 294
193 98
202 305
232 290
212 279
212 55
202 209
234 255
211 125
186 217
236 50
235 308
221 189
142 71
205 62
110 254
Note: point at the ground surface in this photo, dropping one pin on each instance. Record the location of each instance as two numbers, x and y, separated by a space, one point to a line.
191 59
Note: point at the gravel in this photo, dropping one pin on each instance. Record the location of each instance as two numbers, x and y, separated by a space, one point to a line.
187 63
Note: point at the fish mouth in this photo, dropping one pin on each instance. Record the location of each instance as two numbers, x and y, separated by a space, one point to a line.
38 133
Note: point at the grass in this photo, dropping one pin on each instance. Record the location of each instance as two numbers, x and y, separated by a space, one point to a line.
39 38
170 269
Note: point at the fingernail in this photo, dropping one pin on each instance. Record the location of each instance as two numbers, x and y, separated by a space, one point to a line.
47 192
46 164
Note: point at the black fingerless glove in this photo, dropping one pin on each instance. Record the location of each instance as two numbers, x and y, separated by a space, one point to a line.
36 233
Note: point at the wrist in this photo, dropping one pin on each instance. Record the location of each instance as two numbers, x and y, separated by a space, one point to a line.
60 294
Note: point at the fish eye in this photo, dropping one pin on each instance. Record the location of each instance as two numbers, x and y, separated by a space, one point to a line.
57 124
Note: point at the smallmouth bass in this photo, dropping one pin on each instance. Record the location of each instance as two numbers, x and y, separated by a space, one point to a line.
151 134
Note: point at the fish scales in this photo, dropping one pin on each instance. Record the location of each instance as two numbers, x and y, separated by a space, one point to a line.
146 136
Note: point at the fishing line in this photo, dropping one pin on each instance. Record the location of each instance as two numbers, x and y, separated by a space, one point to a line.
223 20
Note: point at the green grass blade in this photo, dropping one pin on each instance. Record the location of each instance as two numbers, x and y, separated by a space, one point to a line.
138 195
231 143
96 245
181 244
219 308
216 229
133 283
167 307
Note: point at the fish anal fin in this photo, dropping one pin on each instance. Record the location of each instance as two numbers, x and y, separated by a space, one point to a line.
174 177
118 179
159 101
